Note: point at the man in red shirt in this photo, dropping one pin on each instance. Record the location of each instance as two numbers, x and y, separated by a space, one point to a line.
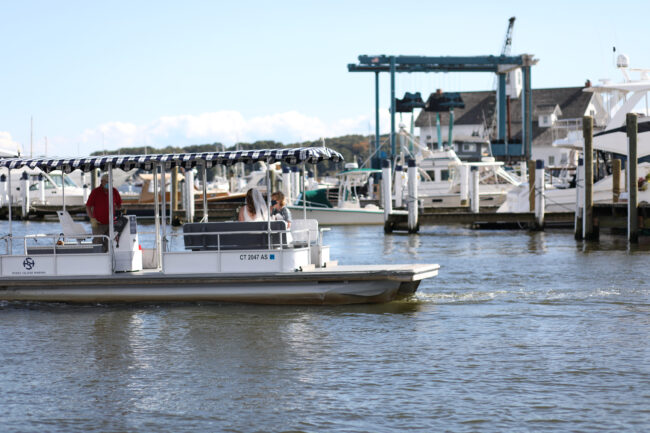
97 210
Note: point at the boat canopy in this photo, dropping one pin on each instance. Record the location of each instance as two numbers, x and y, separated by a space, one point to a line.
615 140
310 155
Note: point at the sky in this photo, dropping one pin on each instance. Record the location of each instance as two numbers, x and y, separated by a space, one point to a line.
95 76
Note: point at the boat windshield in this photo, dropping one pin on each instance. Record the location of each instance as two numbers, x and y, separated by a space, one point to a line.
56 177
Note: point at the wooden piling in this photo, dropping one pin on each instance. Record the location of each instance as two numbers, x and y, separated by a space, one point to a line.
531 185
588 215
174 190
616 176
632 209
580 182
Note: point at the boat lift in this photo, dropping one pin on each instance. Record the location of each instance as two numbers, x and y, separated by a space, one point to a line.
499 65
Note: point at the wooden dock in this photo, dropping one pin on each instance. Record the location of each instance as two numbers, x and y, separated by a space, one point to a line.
486 218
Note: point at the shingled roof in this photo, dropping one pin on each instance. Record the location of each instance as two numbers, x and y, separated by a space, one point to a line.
480 107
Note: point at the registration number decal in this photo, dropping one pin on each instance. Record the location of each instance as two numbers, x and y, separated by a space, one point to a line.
247 257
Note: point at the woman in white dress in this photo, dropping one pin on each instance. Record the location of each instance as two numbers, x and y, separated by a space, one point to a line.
255 207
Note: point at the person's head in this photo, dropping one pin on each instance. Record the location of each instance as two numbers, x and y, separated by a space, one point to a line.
250 202
104 181
278 196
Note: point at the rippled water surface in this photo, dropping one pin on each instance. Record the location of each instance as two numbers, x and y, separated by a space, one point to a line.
520 332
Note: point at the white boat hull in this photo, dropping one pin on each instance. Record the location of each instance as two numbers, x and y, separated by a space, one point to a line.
338 216
336 285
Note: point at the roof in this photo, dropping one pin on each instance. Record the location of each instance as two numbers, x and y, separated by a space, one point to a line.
572 102
310 155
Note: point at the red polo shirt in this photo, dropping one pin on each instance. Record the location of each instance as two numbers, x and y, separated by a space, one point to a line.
98 200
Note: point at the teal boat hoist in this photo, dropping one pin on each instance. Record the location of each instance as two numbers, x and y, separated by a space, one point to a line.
499 65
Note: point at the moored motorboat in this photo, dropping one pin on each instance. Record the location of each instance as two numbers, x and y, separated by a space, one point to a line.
258 261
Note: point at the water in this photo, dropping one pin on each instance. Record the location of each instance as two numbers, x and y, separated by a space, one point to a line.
519 332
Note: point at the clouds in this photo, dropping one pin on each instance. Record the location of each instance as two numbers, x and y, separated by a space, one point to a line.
8 147
227 127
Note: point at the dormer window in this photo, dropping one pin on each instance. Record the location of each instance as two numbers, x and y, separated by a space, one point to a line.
547 114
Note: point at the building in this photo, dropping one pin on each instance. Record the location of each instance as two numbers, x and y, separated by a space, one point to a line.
557 115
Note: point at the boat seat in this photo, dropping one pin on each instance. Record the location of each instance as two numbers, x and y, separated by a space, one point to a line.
234 241
70 228
304 232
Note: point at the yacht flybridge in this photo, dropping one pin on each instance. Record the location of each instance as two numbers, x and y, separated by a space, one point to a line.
259 262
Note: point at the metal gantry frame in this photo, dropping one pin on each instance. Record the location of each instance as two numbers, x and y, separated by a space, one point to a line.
500 65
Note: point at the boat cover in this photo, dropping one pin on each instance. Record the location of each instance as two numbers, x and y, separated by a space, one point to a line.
310 155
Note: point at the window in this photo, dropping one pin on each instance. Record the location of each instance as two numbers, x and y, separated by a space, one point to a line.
432 175
444 174
564 159
551 160
469 147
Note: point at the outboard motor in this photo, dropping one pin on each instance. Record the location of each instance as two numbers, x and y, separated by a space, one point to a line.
126 246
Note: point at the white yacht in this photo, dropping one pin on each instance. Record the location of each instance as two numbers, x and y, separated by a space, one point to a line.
620 98
258 262
441 181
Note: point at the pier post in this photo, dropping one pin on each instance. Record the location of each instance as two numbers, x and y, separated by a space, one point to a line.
24 185
3 189
386 188
523 172
295 182
399 185
174 192
464 185
94 178
531 185
41 187
588 214
540 202
413 225
274 180
616 179
474 190
84 185
286 184
189 196
632 161
580 182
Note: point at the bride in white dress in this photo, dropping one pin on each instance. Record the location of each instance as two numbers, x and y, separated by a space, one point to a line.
255 207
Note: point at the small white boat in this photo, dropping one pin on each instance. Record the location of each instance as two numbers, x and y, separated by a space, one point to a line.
258 262
348 209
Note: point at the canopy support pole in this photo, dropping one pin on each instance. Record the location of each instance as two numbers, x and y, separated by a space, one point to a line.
156 215
111 212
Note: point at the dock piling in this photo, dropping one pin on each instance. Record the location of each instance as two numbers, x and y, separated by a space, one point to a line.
474 190
632 210
3 190
540 203
588 212
413 225
464 185
399 185
580 182
24 185
531 185
616 179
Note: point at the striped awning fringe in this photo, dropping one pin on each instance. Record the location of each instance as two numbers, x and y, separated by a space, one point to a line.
310 155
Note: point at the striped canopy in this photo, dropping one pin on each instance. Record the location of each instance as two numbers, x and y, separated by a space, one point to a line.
310 155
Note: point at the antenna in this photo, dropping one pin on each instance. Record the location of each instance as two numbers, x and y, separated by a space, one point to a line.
31 137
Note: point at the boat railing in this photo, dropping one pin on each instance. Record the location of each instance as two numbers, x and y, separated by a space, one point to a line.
53 244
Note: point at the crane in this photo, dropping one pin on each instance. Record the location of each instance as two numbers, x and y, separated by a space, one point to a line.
507 43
